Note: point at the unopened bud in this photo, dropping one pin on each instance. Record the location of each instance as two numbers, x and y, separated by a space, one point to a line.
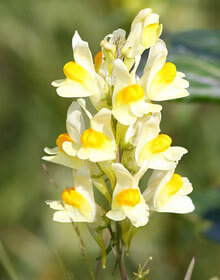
109 50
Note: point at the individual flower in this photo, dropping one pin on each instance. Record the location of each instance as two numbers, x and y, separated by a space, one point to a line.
128 101
167 192
98 142
155 149
161 80
67 143
127 199
77 204
81 77
134 136
145 30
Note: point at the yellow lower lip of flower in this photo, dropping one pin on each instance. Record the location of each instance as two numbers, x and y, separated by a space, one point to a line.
63 138
165 76
98 61
94 139
129 94
158 145
71 197
128 197
150 34
172 187
77 73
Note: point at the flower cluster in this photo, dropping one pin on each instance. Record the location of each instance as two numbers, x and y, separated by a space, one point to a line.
122 139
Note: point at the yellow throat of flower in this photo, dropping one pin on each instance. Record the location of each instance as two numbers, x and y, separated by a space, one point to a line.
63 138
94 139
128 197
129 94
172 187
158 145
150 34
77 73
165 76
71 197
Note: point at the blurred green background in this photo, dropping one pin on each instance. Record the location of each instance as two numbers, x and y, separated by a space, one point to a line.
35 42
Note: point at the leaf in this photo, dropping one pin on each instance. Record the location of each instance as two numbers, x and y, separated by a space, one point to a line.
197 54
190 270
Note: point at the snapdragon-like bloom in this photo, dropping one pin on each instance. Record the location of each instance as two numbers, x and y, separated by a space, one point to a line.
128 96
155 149
77 204
67 143
168 192
98 142
81 77
127 199
160 79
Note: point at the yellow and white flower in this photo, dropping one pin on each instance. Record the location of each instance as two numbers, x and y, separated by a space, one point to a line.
81 77
155 149
77 204
161 80
145 31
167 192
127 199
68 143
98 142
128 101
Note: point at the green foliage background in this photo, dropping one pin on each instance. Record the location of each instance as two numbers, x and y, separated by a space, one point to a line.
35 42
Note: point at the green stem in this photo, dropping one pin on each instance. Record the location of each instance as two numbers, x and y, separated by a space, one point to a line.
121 254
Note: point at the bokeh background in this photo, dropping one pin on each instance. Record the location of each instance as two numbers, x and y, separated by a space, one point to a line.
35 42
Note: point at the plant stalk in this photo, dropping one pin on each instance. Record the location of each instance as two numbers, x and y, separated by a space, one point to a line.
121 254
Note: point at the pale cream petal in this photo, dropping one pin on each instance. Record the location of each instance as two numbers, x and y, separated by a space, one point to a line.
138 215
178 204
123 176
134 40
83 153
70 148
82 104
60 82
151 19
120 77
174 153
54 204
82 53
155 184
124 115
75 122
50 151
116 215
62 217
159 162
170 91
63 159
140 17
156 60
187 187
84 186
139 108
74 89
103 154
102 122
